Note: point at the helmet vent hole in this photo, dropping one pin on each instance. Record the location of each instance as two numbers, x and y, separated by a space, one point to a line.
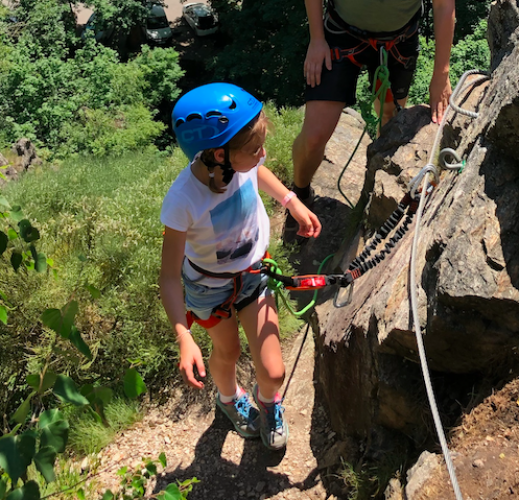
213 113
233 105
223 119
179 122
193 116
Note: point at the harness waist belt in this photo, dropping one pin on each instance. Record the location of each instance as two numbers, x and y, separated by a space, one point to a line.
406 31
210 274
254 268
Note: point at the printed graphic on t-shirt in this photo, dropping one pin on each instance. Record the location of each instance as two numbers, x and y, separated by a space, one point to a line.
235 224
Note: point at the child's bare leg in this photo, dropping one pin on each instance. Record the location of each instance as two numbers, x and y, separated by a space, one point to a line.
225 354
260 322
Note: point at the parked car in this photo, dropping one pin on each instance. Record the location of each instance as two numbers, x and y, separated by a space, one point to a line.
102 33
201 17
157 30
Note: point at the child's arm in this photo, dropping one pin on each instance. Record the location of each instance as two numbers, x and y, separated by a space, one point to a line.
173 300
309 224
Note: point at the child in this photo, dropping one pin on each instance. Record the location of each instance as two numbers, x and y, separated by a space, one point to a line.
217 231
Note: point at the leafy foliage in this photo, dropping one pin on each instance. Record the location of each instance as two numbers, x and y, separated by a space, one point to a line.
266 48
76 99
470 53
41 438
469 15
133 483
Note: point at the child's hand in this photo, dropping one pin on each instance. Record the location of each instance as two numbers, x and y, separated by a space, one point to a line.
191 361
309 224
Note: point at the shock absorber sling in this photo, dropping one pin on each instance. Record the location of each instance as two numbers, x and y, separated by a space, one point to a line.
363 262
358 267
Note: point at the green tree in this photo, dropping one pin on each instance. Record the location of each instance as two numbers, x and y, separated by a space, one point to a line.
267 43
79 99
470 53
469 14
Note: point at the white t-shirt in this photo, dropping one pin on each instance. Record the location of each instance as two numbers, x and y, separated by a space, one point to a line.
226 232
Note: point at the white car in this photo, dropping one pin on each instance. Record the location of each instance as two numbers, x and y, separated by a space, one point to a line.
201 17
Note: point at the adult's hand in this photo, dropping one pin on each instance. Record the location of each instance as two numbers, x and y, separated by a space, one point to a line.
440 92
190 357
318 53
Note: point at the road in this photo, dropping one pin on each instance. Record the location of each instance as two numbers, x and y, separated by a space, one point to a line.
173 10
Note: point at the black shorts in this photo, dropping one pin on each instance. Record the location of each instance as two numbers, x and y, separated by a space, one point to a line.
340 83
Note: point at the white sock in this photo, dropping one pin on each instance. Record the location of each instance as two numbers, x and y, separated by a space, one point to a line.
263 399
229 399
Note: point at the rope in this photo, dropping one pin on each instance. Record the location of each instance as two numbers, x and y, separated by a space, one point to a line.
296 361
413 290
382 74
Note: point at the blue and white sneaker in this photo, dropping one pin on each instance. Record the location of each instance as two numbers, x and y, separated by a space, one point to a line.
273 426
242 414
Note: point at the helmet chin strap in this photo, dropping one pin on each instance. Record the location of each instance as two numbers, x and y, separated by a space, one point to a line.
228 171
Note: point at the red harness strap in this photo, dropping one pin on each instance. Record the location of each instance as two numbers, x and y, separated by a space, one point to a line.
223 311
367 41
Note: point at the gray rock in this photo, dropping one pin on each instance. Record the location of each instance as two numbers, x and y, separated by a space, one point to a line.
393 490
467 261
420 474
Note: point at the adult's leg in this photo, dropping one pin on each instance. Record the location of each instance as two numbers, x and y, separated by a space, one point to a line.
321 118
260 322
400 75
225 354
389 110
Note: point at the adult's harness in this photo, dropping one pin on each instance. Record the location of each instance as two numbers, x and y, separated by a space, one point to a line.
336 25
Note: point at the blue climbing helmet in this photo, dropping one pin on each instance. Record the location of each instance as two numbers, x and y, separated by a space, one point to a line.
211 115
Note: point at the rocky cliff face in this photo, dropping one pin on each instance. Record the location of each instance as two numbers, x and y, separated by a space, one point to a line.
467 267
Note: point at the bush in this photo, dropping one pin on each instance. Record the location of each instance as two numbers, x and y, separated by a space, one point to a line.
108 212
470 53
83 100
265 49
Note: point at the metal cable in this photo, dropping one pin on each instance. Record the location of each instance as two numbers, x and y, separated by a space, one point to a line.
459 90
414 295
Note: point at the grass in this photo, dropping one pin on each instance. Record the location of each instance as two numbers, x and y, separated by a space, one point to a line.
99 222
367 480
64 487
88 436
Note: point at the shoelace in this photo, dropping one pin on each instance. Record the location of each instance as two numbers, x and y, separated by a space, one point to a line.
243 405
274 413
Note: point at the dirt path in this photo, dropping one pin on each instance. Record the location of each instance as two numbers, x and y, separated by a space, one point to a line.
199 442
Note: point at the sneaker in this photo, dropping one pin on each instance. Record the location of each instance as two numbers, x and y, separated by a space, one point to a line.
291 226
242 414
273 428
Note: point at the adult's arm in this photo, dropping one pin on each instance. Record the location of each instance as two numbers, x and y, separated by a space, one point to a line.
309 224
440 87
172 297
318 50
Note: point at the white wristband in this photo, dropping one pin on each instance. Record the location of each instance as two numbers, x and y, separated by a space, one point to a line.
179 336
287 198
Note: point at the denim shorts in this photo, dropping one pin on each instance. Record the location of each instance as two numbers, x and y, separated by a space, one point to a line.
202 299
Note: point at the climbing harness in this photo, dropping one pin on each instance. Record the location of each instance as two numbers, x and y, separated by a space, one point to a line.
381 86
381 89
223 311
336 25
